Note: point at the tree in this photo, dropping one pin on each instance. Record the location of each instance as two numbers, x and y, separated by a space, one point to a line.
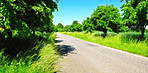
106 18
136 14
67 28
60 26
88 25
25 15
76 26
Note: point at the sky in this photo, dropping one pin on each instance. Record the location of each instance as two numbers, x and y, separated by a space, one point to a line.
70 10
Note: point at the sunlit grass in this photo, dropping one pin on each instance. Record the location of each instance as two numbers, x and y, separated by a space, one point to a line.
119 41
41 58
45 64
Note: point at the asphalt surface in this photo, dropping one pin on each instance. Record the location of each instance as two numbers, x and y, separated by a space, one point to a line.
85 57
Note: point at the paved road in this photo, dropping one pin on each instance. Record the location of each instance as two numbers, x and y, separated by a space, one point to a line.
85 57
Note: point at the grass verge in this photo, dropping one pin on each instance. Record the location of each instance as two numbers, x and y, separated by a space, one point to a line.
38 57
119 41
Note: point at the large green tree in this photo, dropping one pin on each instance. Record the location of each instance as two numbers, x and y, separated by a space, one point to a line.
27 15
106 18
136 14
88 25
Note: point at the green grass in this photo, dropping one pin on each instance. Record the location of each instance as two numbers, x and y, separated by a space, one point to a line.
29 54
45 64
129 42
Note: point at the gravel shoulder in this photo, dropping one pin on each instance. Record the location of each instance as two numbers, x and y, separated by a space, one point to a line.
85 57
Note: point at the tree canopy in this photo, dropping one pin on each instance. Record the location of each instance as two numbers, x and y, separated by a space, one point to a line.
24 15
88 25
76 26
60 26
136 14
106 18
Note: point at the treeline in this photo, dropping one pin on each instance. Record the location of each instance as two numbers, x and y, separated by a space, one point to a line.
25 21
107 18
26 36
26 16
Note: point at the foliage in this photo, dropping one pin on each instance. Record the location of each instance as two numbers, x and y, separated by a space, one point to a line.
33 54
88 25
60 30
136 14
106 18
74 27
68 28
24 15
23 52
123 41
60 26
123 28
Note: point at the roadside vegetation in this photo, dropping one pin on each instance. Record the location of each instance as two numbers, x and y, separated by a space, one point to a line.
127 41
108 19
107 27
33 54
27 36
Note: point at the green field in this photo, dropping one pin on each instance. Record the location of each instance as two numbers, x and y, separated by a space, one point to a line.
128 41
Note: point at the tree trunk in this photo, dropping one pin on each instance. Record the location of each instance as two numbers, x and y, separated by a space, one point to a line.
105 32
142 32
9 32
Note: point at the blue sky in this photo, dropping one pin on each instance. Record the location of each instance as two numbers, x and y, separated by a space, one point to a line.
70 10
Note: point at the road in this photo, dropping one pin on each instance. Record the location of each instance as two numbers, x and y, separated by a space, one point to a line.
85 57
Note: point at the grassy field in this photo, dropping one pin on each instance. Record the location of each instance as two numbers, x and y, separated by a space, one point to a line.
29 54
128 41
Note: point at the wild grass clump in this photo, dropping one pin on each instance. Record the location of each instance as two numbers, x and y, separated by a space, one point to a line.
123 41
44 63
30 54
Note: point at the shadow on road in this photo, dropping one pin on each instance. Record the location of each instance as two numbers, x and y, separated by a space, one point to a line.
58 41
65 49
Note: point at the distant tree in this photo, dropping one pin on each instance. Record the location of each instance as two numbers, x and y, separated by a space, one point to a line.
106 18
76 26
67 28
60 26
136 14
88 25
74 22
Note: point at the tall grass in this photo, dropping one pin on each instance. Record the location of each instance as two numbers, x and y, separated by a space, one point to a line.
45 64
121 41
38 57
